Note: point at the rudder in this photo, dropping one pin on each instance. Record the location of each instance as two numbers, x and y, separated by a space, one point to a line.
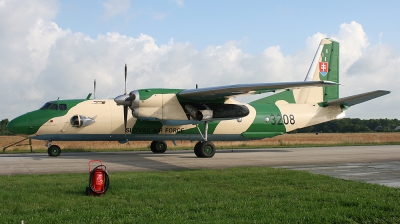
325 67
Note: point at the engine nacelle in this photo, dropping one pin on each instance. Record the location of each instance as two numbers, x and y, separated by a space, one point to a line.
157 105
199 115
135 103
229 111
216 111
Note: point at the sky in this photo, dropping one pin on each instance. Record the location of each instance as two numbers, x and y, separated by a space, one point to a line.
53 49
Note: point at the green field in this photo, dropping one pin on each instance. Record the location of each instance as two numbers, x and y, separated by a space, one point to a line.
235 195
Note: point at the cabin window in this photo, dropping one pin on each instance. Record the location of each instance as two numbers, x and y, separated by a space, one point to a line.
62 107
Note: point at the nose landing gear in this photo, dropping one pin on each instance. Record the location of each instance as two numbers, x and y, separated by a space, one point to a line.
53 150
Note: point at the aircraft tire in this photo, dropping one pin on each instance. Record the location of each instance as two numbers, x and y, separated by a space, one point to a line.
197 149
204 149
54 150
158 146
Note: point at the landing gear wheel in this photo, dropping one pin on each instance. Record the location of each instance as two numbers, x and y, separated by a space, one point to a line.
158 146
54 150
204 149
197 149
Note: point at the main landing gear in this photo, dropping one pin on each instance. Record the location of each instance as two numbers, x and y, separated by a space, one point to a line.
53 150
202 149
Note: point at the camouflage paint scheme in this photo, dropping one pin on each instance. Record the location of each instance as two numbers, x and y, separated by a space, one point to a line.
160 113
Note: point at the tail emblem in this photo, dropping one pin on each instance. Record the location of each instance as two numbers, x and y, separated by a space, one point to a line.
323 68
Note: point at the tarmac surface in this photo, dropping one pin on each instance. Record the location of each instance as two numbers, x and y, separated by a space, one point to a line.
372 164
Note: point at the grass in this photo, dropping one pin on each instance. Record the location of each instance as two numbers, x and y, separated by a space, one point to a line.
286 140
235 195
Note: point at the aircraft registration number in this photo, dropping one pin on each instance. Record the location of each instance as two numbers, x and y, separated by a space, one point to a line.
280 119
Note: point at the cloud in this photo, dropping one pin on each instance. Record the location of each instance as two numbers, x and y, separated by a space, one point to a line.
115 7
178 2
353 41
40 62
159 16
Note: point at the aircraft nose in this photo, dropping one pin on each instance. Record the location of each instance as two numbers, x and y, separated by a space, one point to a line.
19 125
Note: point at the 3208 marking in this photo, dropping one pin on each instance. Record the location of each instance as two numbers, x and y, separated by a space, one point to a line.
280 119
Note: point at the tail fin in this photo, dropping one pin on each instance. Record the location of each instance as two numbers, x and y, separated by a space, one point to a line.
324 67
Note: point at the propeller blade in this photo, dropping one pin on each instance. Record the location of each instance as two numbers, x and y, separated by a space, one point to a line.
125 78
125 117
125 121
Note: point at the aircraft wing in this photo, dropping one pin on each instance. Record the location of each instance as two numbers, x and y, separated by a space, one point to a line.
219 92
356 99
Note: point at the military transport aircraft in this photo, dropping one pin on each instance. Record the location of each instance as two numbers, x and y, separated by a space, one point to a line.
201 114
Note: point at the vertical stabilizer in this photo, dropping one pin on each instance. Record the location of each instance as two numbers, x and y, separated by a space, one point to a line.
324 67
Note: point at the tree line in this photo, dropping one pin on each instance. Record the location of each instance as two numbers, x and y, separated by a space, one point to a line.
353 125
3 127
346 125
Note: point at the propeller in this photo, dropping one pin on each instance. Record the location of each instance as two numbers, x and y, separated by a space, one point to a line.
126 101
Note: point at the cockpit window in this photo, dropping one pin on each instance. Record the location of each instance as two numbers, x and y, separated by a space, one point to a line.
45 106
54 107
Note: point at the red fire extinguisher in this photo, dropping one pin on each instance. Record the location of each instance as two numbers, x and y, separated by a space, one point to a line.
98 179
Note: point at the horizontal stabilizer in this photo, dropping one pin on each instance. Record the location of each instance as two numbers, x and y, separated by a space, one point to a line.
219 92
356 99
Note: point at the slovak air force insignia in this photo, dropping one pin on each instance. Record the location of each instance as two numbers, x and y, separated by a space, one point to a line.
323 68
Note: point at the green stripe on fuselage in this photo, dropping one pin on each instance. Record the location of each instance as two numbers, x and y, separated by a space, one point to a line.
268 119
268 116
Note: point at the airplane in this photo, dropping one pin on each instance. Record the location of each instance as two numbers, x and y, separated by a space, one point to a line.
201 114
